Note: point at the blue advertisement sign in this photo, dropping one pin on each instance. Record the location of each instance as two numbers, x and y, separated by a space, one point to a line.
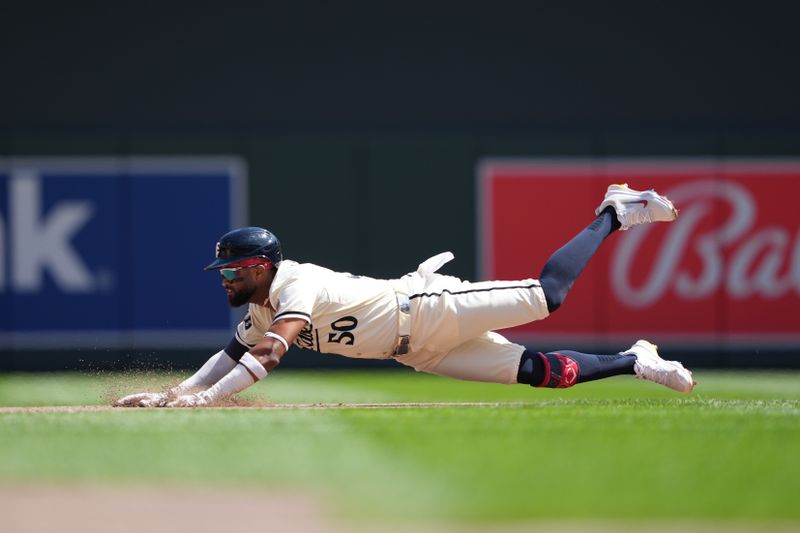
109 252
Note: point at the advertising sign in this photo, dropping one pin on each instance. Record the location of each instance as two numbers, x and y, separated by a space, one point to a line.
725 273
109 252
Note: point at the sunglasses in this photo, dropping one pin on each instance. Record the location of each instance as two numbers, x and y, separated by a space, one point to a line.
230 273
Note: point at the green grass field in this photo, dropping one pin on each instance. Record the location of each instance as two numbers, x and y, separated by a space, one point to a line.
620 449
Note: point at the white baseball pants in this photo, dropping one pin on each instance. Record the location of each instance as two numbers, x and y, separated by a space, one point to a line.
452 322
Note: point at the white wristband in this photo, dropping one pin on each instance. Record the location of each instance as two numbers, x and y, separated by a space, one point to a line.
276 336
212 371
252 364
235 381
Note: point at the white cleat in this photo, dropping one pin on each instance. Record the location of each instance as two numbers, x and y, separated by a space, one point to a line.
651 367
637 207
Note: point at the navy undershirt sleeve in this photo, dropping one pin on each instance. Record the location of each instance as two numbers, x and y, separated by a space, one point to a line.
235 349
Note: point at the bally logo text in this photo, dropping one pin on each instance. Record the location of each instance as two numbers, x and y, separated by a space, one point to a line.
726 272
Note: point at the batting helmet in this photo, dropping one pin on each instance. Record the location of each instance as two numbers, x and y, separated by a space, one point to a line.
246 243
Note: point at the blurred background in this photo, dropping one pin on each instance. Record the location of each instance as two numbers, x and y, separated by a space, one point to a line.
370 136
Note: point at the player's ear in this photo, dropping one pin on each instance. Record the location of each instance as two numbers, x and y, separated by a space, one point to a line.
261 271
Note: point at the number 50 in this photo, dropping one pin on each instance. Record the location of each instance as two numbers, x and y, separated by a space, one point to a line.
342 328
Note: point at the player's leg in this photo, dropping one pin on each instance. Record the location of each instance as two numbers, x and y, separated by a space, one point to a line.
489 357
621 208
449 311
565 368
566 264
493 358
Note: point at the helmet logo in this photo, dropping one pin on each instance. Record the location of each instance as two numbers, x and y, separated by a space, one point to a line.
216 251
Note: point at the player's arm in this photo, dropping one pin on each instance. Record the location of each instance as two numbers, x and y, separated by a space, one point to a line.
276 341
252 367
217 366
214 369
295 304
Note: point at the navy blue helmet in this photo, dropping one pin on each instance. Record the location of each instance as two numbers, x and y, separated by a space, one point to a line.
244 245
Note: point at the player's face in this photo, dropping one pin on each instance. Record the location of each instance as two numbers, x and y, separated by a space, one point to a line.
240 285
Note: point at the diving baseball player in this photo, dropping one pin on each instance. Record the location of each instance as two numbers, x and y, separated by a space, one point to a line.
431 322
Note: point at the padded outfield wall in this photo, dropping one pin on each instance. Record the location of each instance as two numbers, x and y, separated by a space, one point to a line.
361 145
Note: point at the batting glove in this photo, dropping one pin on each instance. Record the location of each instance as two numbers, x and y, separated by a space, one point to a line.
190 400
144 399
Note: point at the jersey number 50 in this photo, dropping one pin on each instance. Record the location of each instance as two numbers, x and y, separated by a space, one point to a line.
342 328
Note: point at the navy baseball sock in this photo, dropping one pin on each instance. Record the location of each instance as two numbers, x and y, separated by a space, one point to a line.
565 368
564 266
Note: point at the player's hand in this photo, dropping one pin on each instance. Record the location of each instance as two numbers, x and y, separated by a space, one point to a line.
144 399
189 400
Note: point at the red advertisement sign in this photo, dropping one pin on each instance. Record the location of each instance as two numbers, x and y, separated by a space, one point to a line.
726 272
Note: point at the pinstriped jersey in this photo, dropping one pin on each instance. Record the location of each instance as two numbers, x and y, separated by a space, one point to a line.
354 316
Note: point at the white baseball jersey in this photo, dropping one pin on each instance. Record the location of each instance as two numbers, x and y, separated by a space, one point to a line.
349 315
356 316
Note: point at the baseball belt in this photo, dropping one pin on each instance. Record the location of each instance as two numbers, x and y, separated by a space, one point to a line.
403 323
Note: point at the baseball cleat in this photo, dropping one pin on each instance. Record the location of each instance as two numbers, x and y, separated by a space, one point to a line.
651 367
637 207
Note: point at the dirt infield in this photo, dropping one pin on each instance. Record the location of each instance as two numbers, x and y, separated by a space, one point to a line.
103 509
266 406
37 509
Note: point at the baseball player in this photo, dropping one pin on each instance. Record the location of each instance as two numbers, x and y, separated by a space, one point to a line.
431 322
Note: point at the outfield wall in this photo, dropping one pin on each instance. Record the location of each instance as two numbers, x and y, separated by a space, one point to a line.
379 207
359 135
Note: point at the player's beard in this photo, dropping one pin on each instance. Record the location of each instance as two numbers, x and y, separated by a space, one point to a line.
240 297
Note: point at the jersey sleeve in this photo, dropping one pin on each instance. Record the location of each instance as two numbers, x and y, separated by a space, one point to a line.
297 300
246 334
